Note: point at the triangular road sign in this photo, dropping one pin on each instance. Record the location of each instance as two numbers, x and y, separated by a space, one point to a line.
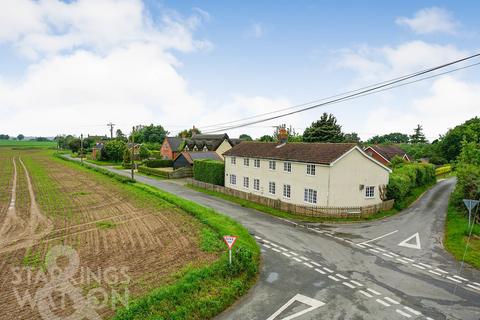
416 245
230 241
470 204
313 303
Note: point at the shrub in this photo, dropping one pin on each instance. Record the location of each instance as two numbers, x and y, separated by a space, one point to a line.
158 163
407 177
443 170
113 150
210 171
144 152
153 172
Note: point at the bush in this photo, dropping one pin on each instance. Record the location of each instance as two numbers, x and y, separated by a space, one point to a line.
158 163
113 150
407 177
468 184
443 170
210 171
153 172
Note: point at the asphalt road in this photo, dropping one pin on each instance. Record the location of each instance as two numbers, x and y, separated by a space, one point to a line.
351 271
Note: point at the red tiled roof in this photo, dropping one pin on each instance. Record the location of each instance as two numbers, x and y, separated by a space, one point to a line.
389 151
321 153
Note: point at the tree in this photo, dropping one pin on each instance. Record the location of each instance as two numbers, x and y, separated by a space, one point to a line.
245 137
113 150
144 153
266 138
20 137
188 133
324 130
120 135
394 137
4 137
352 137
418 136
151 133
450 145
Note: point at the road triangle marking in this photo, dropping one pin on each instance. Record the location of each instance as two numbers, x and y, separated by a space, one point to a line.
313 303
416 245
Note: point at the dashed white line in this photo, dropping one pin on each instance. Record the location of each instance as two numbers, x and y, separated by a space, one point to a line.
403 313
418 266
282 248
442 271
333 278
286 254
373 291
315 264
341 276
393 254
425 265
453 279
387 255
293 253
328 270
476 283
434 272
380 249
401 260
319 271
373 250
356 283
304 258
349 285
382 302
391 300
368 295
308 265
359 245
409 260
296 259
276 250
476 288
460 278
415 312
258 237
267 246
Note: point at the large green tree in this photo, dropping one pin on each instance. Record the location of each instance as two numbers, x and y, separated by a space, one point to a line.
151 134
394 137
245 137
324 130
418 136
188 133
450 144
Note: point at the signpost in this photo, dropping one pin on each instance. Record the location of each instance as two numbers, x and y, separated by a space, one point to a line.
470 204
230 241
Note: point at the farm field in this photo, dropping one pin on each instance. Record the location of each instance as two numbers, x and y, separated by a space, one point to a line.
128 242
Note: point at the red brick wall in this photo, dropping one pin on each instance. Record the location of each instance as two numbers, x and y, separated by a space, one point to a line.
377 157
166 150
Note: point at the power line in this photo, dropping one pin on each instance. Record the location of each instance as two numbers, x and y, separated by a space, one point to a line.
383 86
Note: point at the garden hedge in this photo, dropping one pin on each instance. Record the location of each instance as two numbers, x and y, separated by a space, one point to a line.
210 171
158 163
407 177
153 171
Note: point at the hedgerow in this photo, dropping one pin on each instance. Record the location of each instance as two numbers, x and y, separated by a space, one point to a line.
210 171
153 172
408 177
158 163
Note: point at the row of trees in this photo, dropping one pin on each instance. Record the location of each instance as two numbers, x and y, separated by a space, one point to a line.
7 137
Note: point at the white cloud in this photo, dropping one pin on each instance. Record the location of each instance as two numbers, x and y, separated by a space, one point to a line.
256 30
430 20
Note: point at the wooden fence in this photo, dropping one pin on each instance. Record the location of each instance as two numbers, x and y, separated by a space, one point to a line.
310 211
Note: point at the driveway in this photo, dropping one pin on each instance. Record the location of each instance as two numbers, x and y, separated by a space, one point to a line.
375 270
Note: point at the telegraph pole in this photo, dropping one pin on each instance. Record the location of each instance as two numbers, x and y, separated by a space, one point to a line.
81 148
132 155
111 125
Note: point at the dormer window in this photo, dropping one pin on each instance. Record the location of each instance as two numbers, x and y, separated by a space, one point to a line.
205 148
195 148
186 148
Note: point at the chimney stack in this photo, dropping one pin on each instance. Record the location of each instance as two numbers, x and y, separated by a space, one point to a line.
282 135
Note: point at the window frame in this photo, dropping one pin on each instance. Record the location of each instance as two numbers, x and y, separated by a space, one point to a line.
233 179
369 195
270 167
270 184
287 164
309 169
310 194
246 185
246 162
256 184
255 162
233 160
289 196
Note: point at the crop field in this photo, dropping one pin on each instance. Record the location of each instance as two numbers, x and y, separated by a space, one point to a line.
127 241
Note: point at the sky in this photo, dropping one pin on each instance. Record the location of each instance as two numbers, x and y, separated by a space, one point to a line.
71 67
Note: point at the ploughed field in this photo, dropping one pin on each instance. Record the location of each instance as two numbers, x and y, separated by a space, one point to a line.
127 241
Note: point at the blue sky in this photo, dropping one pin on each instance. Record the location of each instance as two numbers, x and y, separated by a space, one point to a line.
184 63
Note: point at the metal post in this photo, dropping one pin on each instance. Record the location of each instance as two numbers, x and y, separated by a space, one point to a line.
81 148
132 154
469 217
230 255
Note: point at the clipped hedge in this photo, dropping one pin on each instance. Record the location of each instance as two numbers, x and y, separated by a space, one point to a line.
407 177
210 171
153 171
443 170
158 163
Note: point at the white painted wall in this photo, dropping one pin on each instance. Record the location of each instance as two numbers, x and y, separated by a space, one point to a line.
223 147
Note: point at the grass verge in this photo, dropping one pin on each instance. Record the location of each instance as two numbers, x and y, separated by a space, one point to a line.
200 293
414 195
456 237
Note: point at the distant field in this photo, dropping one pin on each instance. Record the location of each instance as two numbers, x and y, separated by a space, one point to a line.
25 143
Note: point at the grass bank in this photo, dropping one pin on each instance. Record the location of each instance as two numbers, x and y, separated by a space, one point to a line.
414 195
456 236
203 292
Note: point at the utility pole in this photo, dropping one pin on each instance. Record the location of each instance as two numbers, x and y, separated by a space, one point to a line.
81 148
111 125
132 155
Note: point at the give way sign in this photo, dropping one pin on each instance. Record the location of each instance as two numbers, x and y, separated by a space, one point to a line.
230 241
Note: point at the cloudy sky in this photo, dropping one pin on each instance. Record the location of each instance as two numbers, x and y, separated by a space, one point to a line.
73 66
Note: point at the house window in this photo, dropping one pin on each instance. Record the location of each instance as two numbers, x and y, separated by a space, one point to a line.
195 148
256 163
370 192
271 187
311 169
256 184
233 179
286 191
233 160
310 196
287 166
205 149
246 162
246 182
272 165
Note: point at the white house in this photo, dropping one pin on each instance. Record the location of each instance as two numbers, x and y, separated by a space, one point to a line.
317 174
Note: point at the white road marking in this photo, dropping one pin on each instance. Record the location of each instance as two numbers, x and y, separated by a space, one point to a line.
387 255
453 279
308 265
356 283
401 260
418 266
349 285
434 272
382 302
380 249
360 245
329 234
293 253
296 259
266 241
415 312
442 271
373 291
373 250
258 237
368 295
267 246
349 241
408 259
315 264
417 244
281 248
273 244
333 278
328 270
469 285
425 265
276 250
403 313
341 277
460 278
476 283
393 254
313 303
302 257
377 238
391 300
319 271
286 254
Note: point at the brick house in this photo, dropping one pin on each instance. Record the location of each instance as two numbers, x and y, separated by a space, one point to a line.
385 153
171 147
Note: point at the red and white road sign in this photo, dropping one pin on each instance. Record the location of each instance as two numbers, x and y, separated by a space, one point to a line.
230 241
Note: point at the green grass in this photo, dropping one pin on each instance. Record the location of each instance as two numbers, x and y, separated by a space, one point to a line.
27 144
282 214
456 236
199 292
103 163
105 224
